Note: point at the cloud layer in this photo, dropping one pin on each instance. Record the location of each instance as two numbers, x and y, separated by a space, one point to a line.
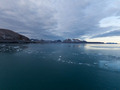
53 19
27 17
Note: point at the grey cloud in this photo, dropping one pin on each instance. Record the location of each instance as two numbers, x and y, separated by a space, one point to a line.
57 18
109 34
82 17
37 20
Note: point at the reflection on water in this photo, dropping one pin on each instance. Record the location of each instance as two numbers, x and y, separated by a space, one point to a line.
110 65
103 46
110 54
105 56
59 67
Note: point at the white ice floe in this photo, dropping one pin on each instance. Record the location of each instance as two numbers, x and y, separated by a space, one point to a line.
87 64
94 63
80 63
60 56
59 59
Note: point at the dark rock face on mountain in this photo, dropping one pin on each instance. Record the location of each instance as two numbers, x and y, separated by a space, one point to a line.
9 36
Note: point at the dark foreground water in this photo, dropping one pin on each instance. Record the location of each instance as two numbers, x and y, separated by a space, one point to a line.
59 67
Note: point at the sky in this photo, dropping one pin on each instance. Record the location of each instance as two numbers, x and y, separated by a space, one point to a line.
91 20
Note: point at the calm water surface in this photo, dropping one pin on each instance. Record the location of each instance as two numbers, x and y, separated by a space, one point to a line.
59 67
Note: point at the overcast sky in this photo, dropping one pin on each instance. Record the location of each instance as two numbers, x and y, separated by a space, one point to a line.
91 20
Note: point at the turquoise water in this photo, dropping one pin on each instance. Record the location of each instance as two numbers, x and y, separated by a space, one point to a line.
59 67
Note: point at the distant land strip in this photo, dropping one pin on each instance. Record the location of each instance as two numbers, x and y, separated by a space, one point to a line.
9 36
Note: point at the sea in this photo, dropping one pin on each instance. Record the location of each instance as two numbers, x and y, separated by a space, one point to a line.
59 66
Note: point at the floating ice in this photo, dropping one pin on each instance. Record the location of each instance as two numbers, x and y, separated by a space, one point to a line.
95 63
80 63
59 59
60 56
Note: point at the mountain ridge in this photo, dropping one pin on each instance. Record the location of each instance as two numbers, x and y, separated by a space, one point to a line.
7 35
